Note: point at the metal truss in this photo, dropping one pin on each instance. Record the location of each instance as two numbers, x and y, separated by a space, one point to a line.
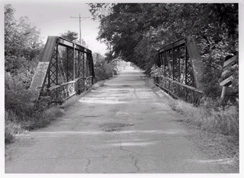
68 69
181 70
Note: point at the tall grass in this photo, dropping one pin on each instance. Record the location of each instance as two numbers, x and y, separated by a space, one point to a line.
220 124
11 127
23 113
215 119
210 116
15 124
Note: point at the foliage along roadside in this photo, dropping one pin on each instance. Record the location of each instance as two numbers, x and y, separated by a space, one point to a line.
23 48
218 126
135 31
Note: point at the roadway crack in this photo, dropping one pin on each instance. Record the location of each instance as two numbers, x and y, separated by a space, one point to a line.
135 162
123 149
87 165
183 167
132 156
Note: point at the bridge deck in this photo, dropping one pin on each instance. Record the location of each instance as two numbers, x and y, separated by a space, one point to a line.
122 127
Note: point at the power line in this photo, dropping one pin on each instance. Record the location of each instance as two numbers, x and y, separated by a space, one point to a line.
79 23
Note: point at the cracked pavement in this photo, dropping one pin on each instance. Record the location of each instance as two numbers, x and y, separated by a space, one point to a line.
121 127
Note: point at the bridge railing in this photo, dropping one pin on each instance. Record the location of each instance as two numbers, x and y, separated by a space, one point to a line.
179 90
60 93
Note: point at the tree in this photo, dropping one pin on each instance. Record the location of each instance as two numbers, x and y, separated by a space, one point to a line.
128 25
69 35
22 47
134 32
73 36
22 41
97 57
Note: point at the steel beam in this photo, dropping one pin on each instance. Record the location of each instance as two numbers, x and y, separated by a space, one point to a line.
181 77
69 44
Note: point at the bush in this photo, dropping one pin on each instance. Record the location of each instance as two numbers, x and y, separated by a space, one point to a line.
19 102
104 70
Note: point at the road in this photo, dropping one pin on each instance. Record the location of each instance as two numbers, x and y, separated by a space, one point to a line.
121 127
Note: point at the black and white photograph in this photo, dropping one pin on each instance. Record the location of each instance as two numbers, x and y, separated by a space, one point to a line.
119 88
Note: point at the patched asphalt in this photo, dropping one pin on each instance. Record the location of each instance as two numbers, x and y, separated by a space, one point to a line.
121 127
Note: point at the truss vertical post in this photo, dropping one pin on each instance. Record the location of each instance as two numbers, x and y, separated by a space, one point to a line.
83 67
56 63
196 62
84 58
78 65
160 63
186 58
164 56
87 64
56 50
167 67
179 55
74 62
170 67
48 79
173 63
67 64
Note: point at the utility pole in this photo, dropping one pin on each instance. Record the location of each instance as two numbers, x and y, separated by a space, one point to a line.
79 23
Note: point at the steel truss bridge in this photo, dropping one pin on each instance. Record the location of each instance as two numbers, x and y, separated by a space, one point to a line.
180 70
65 69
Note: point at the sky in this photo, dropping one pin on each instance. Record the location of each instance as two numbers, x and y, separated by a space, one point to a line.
53 18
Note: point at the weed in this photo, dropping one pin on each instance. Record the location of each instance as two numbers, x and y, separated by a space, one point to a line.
217 120
11 127
22 113
43 119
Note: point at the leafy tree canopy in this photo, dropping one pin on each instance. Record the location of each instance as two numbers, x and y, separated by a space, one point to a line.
73 36
134 32
22 40
69 35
